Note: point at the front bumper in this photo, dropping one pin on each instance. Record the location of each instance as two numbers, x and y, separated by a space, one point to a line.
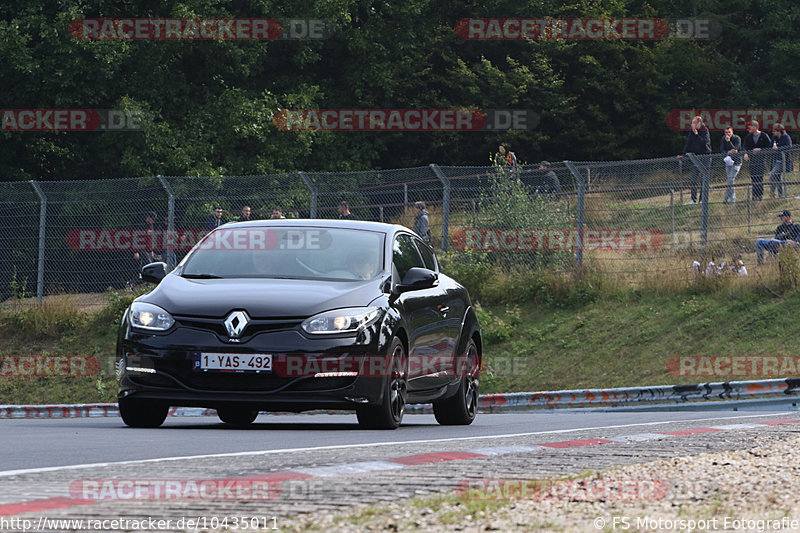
162 367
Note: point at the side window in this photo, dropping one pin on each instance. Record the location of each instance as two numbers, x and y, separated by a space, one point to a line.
405 255
427 255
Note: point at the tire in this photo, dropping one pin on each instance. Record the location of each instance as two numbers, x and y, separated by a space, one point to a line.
142 413
389 413
236 417
461 408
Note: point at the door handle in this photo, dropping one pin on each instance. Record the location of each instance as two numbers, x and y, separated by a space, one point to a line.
444 310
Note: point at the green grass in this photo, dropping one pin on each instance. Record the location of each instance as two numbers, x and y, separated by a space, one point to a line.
60 328
626 341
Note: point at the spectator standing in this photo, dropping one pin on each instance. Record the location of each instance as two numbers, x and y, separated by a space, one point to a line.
731 145
277 212
780 141
505 158
344 211
244 216
215 219
698 142
422 226
756 141
786 233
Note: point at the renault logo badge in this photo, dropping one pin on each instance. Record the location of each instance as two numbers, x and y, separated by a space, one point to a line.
235 323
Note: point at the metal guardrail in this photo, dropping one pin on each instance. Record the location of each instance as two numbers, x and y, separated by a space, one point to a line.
628 396
704 395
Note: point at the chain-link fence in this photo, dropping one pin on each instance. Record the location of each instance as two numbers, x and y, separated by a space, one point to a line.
625 218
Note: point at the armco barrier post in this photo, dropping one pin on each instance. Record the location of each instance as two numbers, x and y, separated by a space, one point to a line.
579 211
314 192
170 219
445 202
42 233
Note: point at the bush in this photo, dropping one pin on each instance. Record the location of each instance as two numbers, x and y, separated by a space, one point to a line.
507 205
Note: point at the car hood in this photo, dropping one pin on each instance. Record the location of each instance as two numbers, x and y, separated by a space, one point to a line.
261 298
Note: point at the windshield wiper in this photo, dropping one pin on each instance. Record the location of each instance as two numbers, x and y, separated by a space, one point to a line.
202 276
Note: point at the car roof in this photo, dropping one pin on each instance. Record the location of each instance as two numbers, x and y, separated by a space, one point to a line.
321 223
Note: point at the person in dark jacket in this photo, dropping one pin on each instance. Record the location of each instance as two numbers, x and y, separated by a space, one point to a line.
756 141
422 223
698 142
731 145
786 233
780 141
552 185
215 219
344 211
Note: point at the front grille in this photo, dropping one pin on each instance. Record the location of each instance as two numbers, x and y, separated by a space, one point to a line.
254 327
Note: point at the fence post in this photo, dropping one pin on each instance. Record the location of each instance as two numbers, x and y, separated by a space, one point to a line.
314 192
672 211
405 198
579 211
170 221
704 193
784 177
42 233
445 203
749 190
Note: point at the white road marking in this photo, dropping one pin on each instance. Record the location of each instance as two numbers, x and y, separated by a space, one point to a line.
348 468
7 473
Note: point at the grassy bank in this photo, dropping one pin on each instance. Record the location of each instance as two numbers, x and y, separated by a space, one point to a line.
542 331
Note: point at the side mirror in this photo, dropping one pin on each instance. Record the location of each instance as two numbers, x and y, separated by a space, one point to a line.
154 272
416 279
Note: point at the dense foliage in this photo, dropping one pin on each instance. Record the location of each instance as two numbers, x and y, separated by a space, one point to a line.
208 105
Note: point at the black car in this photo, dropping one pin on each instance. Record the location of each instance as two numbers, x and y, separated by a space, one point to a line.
295 315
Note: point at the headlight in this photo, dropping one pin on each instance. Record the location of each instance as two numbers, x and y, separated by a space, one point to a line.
149 316
341 320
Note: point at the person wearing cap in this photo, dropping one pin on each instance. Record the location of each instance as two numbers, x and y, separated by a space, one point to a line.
786 233
780 141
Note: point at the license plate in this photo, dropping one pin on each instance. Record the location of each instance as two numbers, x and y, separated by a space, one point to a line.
231 362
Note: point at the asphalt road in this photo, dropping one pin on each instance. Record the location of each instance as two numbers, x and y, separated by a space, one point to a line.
41 443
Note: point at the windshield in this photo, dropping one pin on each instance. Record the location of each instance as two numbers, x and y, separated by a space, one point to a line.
287 252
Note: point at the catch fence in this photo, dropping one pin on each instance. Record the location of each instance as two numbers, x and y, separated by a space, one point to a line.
623 217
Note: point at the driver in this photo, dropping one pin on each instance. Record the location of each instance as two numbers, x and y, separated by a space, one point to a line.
362 264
